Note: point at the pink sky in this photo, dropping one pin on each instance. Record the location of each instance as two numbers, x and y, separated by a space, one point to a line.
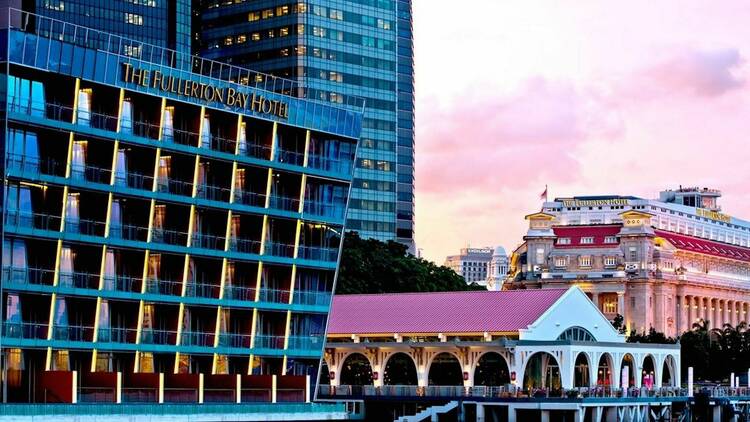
588 97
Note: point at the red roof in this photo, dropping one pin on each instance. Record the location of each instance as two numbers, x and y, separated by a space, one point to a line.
708 247
575 233
451 312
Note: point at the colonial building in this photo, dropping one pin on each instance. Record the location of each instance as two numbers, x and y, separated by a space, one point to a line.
664 263
471 263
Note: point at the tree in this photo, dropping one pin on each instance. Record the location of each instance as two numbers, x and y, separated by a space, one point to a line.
372 266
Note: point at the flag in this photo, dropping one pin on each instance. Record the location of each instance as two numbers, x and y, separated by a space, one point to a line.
544 194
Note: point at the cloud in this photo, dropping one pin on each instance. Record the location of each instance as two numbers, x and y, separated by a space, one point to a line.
485 142
697 73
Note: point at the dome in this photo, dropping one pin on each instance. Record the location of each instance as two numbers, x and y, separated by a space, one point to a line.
499 251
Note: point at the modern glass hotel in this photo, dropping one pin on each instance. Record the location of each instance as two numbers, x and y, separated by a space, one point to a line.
171 225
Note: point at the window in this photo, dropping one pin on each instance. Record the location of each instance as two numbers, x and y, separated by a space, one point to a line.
633 253
587 240
133 19
610 239
610 304
584 261
610 261
253 16
576 334
561 262
563 241
540 256
268 13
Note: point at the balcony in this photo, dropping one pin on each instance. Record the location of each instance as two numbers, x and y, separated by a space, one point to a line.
158 337
206 290
90 174
246 294
25 276
174 186
302 297
274 296
134 180
25 330
34 166
85 227
116 335
30 220
51 111
207 241
263 341
250 198
319 162
235 340
247 246
169 237
279 249
305 343
197 338
164 287
213 193
317 253
290 157
323 209
284 203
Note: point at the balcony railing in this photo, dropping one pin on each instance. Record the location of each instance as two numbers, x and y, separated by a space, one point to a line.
134 180
206 290
302 297
34 165
85 227
244 246
218 143
317 253
39 221
236 340
284 203
52 111
90 173
323 209
164 287
25 275
306 343
80 280
174 186
128 232
159 337
255 150
250 198
122 283
72 333
243 293
339 166
116 335
180 136
263 341
274 295
25 330
290 157
208 241
169 237
279 249
197 338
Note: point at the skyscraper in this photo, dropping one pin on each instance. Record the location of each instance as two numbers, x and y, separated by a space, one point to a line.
167 235
164 23
337 49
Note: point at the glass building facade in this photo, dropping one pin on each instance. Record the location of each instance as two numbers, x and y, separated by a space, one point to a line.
171 225
165 23
337 49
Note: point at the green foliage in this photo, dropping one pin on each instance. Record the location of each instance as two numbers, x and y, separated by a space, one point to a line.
713 353
372 266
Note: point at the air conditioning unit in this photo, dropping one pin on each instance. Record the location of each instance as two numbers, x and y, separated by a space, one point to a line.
631 267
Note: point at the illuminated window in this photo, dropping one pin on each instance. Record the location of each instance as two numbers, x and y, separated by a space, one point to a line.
241 38
57 5
563 241
282 10
561 262
609 304
587 240
271 34
610 261
253 16
301 29
336 14
133 19
301 8
336 77
284 52
228 41
283 32
383 24
584 261
319 32
255 36
268 13
610 239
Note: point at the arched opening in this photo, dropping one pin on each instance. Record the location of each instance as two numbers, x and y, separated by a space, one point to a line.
648 374
667 372
581 377
576 334
324 378
356 370
627 371
400 370
604 372
542 371
491 370
445 370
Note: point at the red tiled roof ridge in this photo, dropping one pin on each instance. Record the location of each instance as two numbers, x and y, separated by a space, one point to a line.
700 239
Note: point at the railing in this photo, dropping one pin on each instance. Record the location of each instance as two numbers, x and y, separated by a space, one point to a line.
97 394
160 337
73 333
263 341
290 157
274 296
244 246
311 342
250 198
316 253
138 128
134 180
255 150
323 209
90 173
116 335
197 338
97 120
290 395
218 143
39 221
25 330
180 136
140 395
169 237
52 111
35 165
202 290
85 227
240 293
284 203
339 166
255 395
80 280
504 392
279 249
174 186
213 193
208 241
122 283
219 395
302 297
128 232
25 275
164 287
236 340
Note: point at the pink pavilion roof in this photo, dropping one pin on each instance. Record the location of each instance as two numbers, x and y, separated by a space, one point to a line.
450 312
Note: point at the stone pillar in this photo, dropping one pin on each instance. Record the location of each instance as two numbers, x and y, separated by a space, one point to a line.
716 314
684 324
702 308
690 311
621 304
725 319
595 299
733 313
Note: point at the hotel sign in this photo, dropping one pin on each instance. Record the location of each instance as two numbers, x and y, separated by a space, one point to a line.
208 93
569 203
713 215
